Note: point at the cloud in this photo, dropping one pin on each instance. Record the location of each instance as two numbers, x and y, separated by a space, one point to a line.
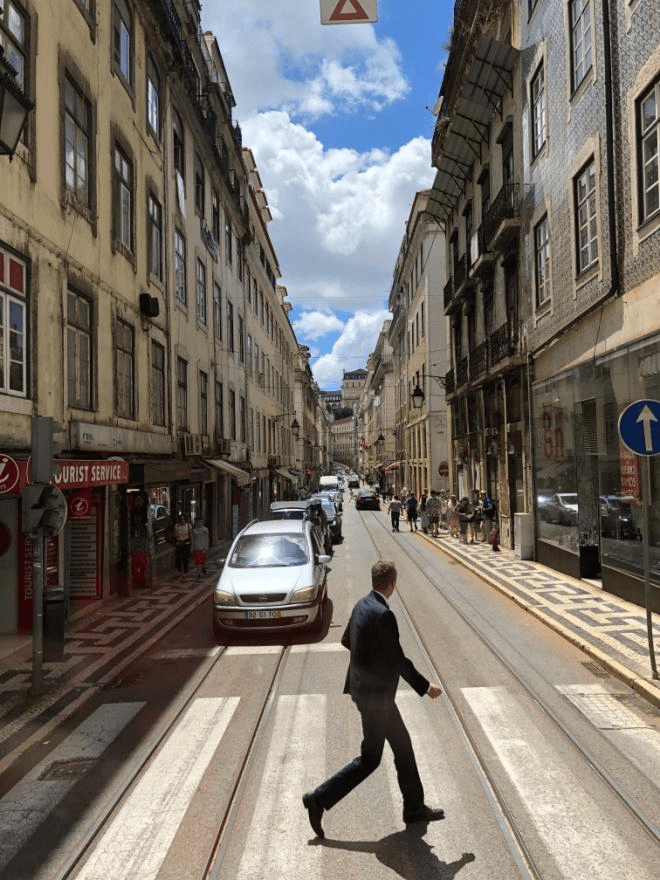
316 325
351 349
339 214
295 63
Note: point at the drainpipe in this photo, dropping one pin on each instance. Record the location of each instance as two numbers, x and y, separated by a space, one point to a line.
610 149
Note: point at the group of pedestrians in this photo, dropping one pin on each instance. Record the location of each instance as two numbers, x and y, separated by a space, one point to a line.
469 521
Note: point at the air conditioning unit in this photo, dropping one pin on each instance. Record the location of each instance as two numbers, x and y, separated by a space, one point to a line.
192 444
223 446
149 305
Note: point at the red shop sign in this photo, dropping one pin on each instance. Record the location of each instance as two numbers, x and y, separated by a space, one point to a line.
80 504
74 474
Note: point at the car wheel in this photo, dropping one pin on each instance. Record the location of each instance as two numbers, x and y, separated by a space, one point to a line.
319 620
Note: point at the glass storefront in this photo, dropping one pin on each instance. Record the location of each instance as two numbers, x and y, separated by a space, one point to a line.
588 484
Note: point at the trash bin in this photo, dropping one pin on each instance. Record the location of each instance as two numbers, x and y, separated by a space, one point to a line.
53 648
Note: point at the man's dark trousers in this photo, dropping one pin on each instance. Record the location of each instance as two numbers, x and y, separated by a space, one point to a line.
381 720
395 520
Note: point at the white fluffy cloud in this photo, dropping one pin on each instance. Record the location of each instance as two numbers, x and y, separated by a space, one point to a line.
352 348
338 214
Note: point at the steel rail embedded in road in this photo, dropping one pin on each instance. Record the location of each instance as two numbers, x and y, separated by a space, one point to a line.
646 823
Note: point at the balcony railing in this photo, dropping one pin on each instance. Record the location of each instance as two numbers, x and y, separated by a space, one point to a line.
504 342
448 293
505 207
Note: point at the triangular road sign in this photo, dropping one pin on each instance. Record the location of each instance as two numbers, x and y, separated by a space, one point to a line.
348 11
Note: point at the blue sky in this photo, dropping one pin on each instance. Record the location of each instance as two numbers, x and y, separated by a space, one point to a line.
339 120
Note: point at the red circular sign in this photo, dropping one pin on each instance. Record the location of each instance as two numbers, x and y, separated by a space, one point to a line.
9 473
443 469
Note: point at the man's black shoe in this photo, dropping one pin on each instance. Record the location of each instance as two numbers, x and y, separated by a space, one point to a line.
423 814
315 813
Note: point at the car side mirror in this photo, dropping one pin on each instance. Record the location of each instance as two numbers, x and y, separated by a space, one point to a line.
323 559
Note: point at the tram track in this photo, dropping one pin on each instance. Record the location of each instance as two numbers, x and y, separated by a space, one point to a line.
632 808
216 853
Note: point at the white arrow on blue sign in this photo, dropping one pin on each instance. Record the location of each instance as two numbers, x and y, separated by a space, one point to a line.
639 427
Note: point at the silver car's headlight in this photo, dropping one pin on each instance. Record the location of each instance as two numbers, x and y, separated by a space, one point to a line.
222 597
304 595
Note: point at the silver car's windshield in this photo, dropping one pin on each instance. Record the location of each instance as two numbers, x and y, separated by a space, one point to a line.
269 551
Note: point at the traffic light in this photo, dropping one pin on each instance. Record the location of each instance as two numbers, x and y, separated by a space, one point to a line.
44 447
44 511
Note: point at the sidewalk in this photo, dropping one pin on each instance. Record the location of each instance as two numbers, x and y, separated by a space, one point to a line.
100 641
608 629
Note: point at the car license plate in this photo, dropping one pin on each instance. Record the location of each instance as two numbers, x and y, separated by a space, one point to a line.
261 615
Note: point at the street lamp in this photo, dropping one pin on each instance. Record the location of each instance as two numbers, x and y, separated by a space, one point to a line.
14 107
417 395
295 427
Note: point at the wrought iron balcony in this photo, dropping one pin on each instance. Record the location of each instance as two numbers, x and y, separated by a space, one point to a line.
502 222
504 342
448 293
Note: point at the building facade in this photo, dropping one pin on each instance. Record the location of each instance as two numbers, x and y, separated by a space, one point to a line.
548 197
138 296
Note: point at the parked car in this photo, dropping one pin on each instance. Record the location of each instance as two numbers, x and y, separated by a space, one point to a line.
307 509
333 515
367 499
353 481
275 577
563 508
337 497
616 517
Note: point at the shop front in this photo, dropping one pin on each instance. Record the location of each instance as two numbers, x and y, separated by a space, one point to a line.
76 558
588 511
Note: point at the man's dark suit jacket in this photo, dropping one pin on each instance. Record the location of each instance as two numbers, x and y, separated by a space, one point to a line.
377 659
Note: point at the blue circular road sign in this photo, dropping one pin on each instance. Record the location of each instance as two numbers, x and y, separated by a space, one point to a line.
639 427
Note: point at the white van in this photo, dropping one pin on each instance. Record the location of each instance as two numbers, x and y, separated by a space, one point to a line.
329 483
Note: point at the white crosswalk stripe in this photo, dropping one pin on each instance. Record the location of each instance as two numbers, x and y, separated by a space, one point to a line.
137 840
295 762
579 835
29 802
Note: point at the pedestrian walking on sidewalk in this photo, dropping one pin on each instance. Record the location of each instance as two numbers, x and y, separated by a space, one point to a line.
465 515
200 546
411 511
182 545
376 663
488 513
433 512
395 512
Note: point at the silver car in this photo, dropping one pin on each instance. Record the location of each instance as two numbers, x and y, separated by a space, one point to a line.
274 578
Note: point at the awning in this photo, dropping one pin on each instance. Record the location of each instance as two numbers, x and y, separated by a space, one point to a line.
465 125
241 477
283 472
392 467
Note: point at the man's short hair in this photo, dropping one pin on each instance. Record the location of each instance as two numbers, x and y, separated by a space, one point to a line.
383 573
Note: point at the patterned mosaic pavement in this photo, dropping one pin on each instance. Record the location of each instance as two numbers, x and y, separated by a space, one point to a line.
607 627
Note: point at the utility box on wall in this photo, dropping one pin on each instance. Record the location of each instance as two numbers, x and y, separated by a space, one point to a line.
523 535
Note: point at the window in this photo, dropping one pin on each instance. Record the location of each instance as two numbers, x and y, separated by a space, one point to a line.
123 194
77 130
228 243
215 216
124 370
217 310
14 32
199 186
182 394
201 292
79 350
219 411
242 420
580 15
153 98
178 145
585 220
649 133
538 110
122 40
542 261
157 383
232 414
241 339
155 236
203 403
13 356
230 326
180 267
